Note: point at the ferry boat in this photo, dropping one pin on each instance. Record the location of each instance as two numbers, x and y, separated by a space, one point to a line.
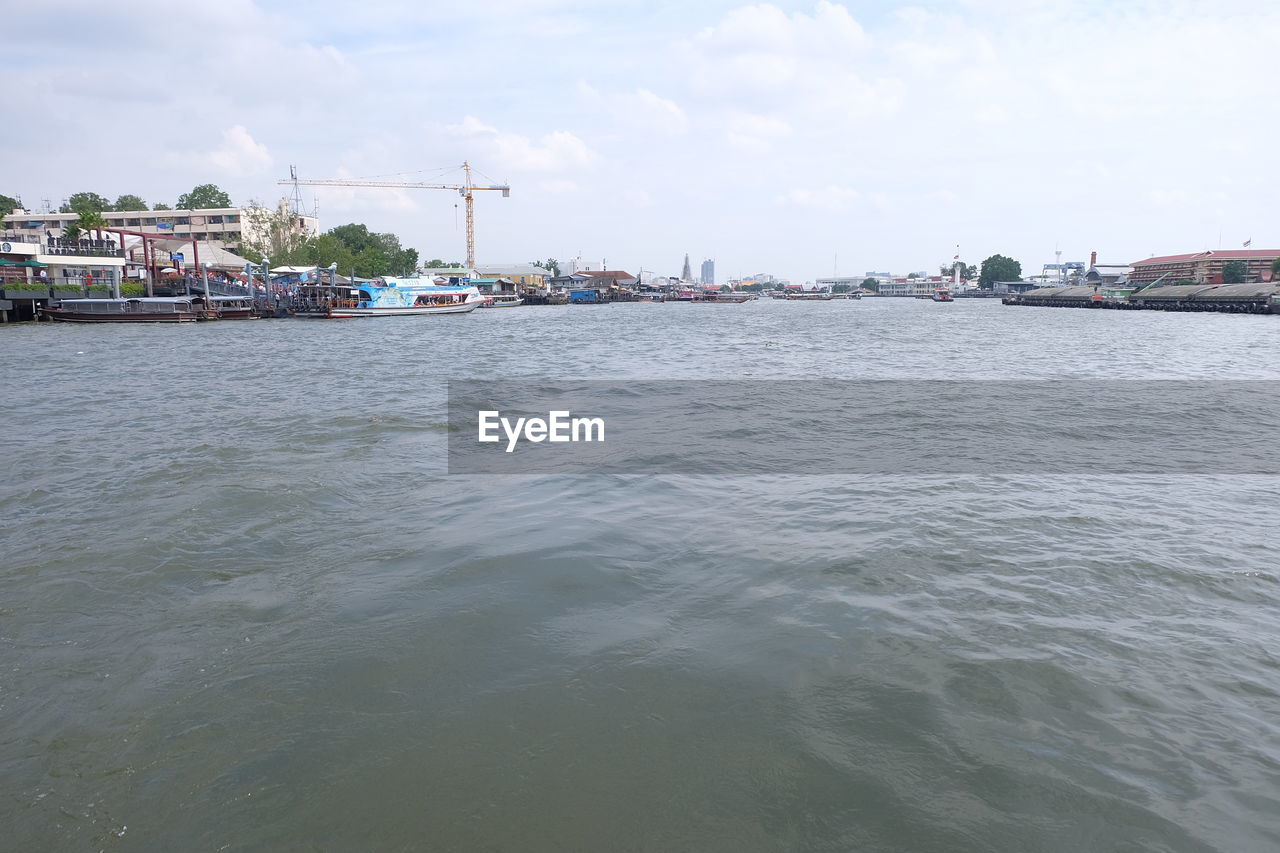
502 300
942 294
153 309
327 301
226 307
811 296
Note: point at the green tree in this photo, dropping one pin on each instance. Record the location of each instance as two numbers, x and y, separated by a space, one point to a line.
354 248
88 222
205 195
871 284
1275 267
129 201
1234 272
967 271
550 264
999 268
437 264
162 207
1185 281
273 233
913 275
841 288
81 202
7 204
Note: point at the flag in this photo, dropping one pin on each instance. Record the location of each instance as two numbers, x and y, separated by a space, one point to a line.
1248 243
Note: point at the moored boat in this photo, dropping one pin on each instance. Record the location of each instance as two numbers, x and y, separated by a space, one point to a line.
155 309
368 300
811 296
502 300
225 307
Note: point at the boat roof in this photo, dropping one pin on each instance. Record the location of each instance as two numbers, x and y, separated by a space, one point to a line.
151 299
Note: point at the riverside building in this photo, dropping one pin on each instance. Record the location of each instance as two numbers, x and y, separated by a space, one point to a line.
1203 267
221 227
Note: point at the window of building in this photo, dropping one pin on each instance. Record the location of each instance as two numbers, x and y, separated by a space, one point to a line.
233 218
184 220
133 222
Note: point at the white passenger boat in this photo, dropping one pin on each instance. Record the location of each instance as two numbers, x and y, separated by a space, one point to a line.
368 300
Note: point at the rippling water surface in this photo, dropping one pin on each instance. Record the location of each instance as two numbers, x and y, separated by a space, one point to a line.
243 608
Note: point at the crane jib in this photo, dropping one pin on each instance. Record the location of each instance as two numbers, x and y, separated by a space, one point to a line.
464 189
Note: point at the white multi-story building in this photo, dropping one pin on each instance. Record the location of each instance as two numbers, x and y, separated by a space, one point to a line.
223 227
855 283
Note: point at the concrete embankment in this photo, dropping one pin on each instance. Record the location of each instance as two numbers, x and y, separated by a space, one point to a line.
1255 298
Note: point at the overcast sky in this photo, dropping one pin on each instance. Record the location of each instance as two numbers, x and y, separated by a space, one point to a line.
788 138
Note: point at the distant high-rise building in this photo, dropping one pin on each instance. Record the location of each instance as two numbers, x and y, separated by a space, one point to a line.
708 272
686 274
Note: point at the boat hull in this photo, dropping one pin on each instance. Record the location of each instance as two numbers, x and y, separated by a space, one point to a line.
406 311
77 317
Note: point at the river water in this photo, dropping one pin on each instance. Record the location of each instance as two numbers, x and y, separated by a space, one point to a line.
243 606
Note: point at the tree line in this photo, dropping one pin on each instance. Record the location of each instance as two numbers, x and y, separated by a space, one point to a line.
203 196
272 234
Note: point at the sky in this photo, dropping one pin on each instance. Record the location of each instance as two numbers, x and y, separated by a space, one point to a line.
796 139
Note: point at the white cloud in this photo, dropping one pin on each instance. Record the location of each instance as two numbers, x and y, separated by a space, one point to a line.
240 155
763 52
638 198
641 108
558 151
830 197
558 186
755 132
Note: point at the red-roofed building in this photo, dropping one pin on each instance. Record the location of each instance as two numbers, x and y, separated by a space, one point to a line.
609 278
1205 267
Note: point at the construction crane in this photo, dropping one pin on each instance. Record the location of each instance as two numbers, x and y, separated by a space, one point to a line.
465 189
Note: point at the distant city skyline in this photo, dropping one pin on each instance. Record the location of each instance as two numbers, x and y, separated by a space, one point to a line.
778 135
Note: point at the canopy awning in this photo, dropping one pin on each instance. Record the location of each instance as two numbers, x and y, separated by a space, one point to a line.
30 263
207 253
7 263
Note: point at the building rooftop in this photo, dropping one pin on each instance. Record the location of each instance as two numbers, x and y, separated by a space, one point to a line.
1212 254
512 269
